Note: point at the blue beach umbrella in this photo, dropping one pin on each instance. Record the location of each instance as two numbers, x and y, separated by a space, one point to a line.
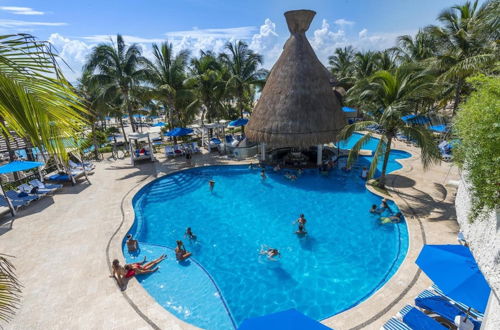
286 320
347 109
453 269
439 128
179 131
414 119
159 124
18 165
238 122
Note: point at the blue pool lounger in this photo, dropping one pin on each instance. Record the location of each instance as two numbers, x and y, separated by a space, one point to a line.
14 196
473 312
441 306
417 320
395 324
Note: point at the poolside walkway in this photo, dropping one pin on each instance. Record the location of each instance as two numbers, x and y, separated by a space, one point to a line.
62 245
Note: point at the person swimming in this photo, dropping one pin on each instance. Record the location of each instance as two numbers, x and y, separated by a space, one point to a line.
211 185
180 252
277 168
396 218
132 244
290 176
301 220
301 230
384 205
364 173
189 234
263 174
374 209
270 252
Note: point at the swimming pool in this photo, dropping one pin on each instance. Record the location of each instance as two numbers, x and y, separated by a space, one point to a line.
346 256
355 137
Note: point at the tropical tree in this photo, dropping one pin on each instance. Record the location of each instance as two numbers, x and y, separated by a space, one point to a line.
167 74
206 79
415 49
467 42
341 65
244 73
117 69
395 94
36 101
10 289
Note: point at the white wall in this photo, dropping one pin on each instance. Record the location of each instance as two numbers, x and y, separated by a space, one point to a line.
483 236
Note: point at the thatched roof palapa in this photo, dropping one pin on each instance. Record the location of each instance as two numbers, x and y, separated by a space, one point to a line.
297 106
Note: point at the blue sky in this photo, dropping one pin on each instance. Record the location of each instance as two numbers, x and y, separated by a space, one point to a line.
75 26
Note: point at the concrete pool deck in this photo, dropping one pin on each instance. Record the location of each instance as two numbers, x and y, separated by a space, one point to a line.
63 246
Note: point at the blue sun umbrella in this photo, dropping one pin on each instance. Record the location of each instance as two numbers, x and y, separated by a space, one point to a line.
347 109
179 131
415 119
286 320
159 124
439 128
238 122
453 269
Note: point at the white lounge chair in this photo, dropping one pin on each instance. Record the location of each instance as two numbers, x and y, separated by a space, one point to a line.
194 147
169 151
89 167
51 187
27 188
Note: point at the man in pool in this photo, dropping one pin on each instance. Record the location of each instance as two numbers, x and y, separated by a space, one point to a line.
263 175
211 185
374 209
301 221
132 244
189 234
364 173
301 230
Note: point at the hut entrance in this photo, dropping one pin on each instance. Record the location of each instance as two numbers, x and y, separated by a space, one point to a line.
299 157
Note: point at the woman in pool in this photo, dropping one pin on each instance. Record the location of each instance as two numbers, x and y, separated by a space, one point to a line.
132 244
384 206
396 218
189 234
374 209
263 175
180 252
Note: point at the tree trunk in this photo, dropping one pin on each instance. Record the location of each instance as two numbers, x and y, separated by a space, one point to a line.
129 110
456 101
123 130
240 106
381 180
94 141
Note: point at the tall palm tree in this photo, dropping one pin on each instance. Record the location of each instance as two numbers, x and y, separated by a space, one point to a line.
341 65
244 73
117 69
206 79
36 101
167 74
467 40
395 94
414 49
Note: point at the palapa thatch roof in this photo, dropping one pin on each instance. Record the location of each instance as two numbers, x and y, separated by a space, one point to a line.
297 106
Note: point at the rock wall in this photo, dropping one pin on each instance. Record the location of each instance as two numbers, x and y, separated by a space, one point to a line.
483 236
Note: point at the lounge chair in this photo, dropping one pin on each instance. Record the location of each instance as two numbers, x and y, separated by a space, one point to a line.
169 151
194 147
80 166
65 177
417 320
178 150
394 324
16 204
187 147
441 306
27 188
52 187
14 196
476 314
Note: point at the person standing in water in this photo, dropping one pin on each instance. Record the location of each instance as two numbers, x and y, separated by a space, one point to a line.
263 174
211 185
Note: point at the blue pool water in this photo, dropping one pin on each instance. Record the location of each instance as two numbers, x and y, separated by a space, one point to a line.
355 137
346 256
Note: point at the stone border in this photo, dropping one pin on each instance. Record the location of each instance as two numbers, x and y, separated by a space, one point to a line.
153 313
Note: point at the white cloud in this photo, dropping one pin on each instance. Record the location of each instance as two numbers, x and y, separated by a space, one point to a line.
73 52
21 10
11 23
132 39
378 40
362 34
244 32
267 43
325 40
342 22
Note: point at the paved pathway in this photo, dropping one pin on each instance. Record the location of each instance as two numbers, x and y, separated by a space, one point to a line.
60 245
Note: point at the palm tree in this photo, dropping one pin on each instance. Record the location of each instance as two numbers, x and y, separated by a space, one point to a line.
206 79
395 94
117 69
36 101
10 289
167 75
415 49
467 42
244 73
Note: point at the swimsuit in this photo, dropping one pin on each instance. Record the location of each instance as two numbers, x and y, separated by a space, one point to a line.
130 273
